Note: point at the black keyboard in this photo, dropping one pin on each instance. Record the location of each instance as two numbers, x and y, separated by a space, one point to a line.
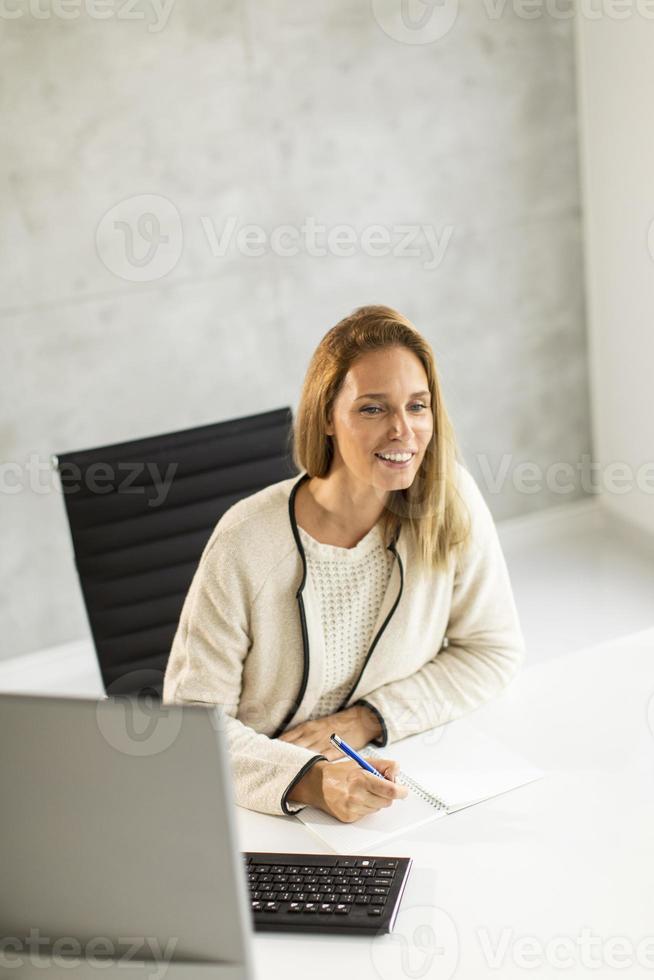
324 893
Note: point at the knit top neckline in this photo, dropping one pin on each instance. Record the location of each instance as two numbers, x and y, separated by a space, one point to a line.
368 543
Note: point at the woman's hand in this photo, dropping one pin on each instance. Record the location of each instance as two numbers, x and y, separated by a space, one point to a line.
357 725
347 791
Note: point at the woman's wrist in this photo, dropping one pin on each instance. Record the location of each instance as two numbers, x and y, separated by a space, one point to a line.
309 789
369 721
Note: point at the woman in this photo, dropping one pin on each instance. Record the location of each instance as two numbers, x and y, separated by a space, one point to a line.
369 596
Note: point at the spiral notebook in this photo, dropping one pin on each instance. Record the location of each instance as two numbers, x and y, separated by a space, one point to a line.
446 769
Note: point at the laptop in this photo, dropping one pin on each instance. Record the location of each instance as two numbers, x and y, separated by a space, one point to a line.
120 854
118 843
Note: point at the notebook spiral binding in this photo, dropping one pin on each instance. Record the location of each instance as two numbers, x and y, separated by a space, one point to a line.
419 791
415 787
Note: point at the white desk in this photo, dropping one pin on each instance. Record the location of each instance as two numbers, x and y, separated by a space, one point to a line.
557 872
569 857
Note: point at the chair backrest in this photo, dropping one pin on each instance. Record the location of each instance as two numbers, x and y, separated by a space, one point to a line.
140 514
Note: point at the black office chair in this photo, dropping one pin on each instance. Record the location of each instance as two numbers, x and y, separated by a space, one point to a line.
140 514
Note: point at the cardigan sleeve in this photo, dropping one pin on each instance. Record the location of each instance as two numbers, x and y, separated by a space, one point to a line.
484 647
205 667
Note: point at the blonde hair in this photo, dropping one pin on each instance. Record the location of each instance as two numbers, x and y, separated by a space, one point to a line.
431 509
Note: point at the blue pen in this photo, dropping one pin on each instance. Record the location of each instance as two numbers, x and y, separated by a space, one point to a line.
348 750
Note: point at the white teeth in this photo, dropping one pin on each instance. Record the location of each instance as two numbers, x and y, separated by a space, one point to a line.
396 457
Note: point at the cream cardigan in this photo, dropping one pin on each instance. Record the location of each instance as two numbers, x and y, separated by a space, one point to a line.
249 639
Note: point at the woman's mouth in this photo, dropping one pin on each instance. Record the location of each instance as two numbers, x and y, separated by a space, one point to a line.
397 461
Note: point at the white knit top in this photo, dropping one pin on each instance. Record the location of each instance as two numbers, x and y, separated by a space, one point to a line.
350 584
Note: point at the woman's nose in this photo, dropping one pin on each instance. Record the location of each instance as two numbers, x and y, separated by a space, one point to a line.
400 424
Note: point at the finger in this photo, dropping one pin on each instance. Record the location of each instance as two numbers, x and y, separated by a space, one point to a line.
384 787
389 768
292 736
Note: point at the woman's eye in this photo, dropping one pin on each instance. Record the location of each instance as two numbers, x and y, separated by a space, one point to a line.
373 409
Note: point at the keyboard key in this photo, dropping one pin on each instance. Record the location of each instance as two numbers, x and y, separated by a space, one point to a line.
386 864
295 907
271 906
256 906
386 873
374 911
326 907
378 891
365 863
377 900
345 863
310 907
362 900
342 909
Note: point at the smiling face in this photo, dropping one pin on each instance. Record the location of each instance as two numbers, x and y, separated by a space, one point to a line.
384 406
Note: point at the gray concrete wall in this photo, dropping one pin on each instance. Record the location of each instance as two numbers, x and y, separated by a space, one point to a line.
134 140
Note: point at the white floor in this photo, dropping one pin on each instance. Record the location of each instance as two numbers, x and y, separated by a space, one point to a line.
579 577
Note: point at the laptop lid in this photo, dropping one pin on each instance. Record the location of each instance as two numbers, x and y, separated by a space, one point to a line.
117 824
